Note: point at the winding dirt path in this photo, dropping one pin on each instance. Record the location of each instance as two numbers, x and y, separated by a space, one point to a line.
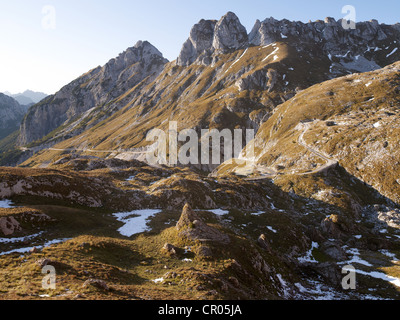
271 173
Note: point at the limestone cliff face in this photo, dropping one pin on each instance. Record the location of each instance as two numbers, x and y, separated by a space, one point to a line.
11 114
329 33
329 36
92 90
209 36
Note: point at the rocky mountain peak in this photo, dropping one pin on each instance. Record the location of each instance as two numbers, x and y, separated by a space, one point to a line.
93 89
200 41
142 51
209 36
230 34
329 34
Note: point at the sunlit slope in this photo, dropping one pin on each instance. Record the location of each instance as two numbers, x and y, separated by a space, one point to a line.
353 120
239 91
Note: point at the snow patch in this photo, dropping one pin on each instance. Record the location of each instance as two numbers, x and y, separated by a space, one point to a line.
6 204
219 212
272 229
393 52
309 256
27 249
136 224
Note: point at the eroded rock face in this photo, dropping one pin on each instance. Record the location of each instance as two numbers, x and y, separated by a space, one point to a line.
329 34
191 226
200 42
230 34
209 36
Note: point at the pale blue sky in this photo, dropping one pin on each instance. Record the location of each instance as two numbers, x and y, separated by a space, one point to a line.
90 32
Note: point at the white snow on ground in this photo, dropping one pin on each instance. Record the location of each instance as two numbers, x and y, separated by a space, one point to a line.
309 256
389 254
272 229
187 260
159 280
356 258
377 125
283 36
374 274
14 240
319 291
368 84
272 54
259 213
393 52
379 275
6 204
284 285
25 250
136 224
236 60
219 212
358 237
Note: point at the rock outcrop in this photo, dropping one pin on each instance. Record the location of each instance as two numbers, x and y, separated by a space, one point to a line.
209 36
191 226
230 34
199 43
9 226
358 50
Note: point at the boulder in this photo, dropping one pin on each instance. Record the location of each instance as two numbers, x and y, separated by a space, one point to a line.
169 249
9 226
99 284
192 227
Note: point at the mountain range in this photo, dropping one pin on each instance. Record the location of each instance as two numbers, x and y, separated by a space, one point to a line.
28 97
320 193
222 73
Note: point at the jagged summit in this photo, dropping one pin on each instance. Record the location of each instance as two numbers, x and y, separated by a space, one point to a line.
200 42
209 36
142 51
230 34
329 31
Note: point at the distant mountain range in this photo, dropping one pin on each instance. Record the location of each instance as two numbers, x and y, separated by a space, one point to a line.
28 97
11 115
